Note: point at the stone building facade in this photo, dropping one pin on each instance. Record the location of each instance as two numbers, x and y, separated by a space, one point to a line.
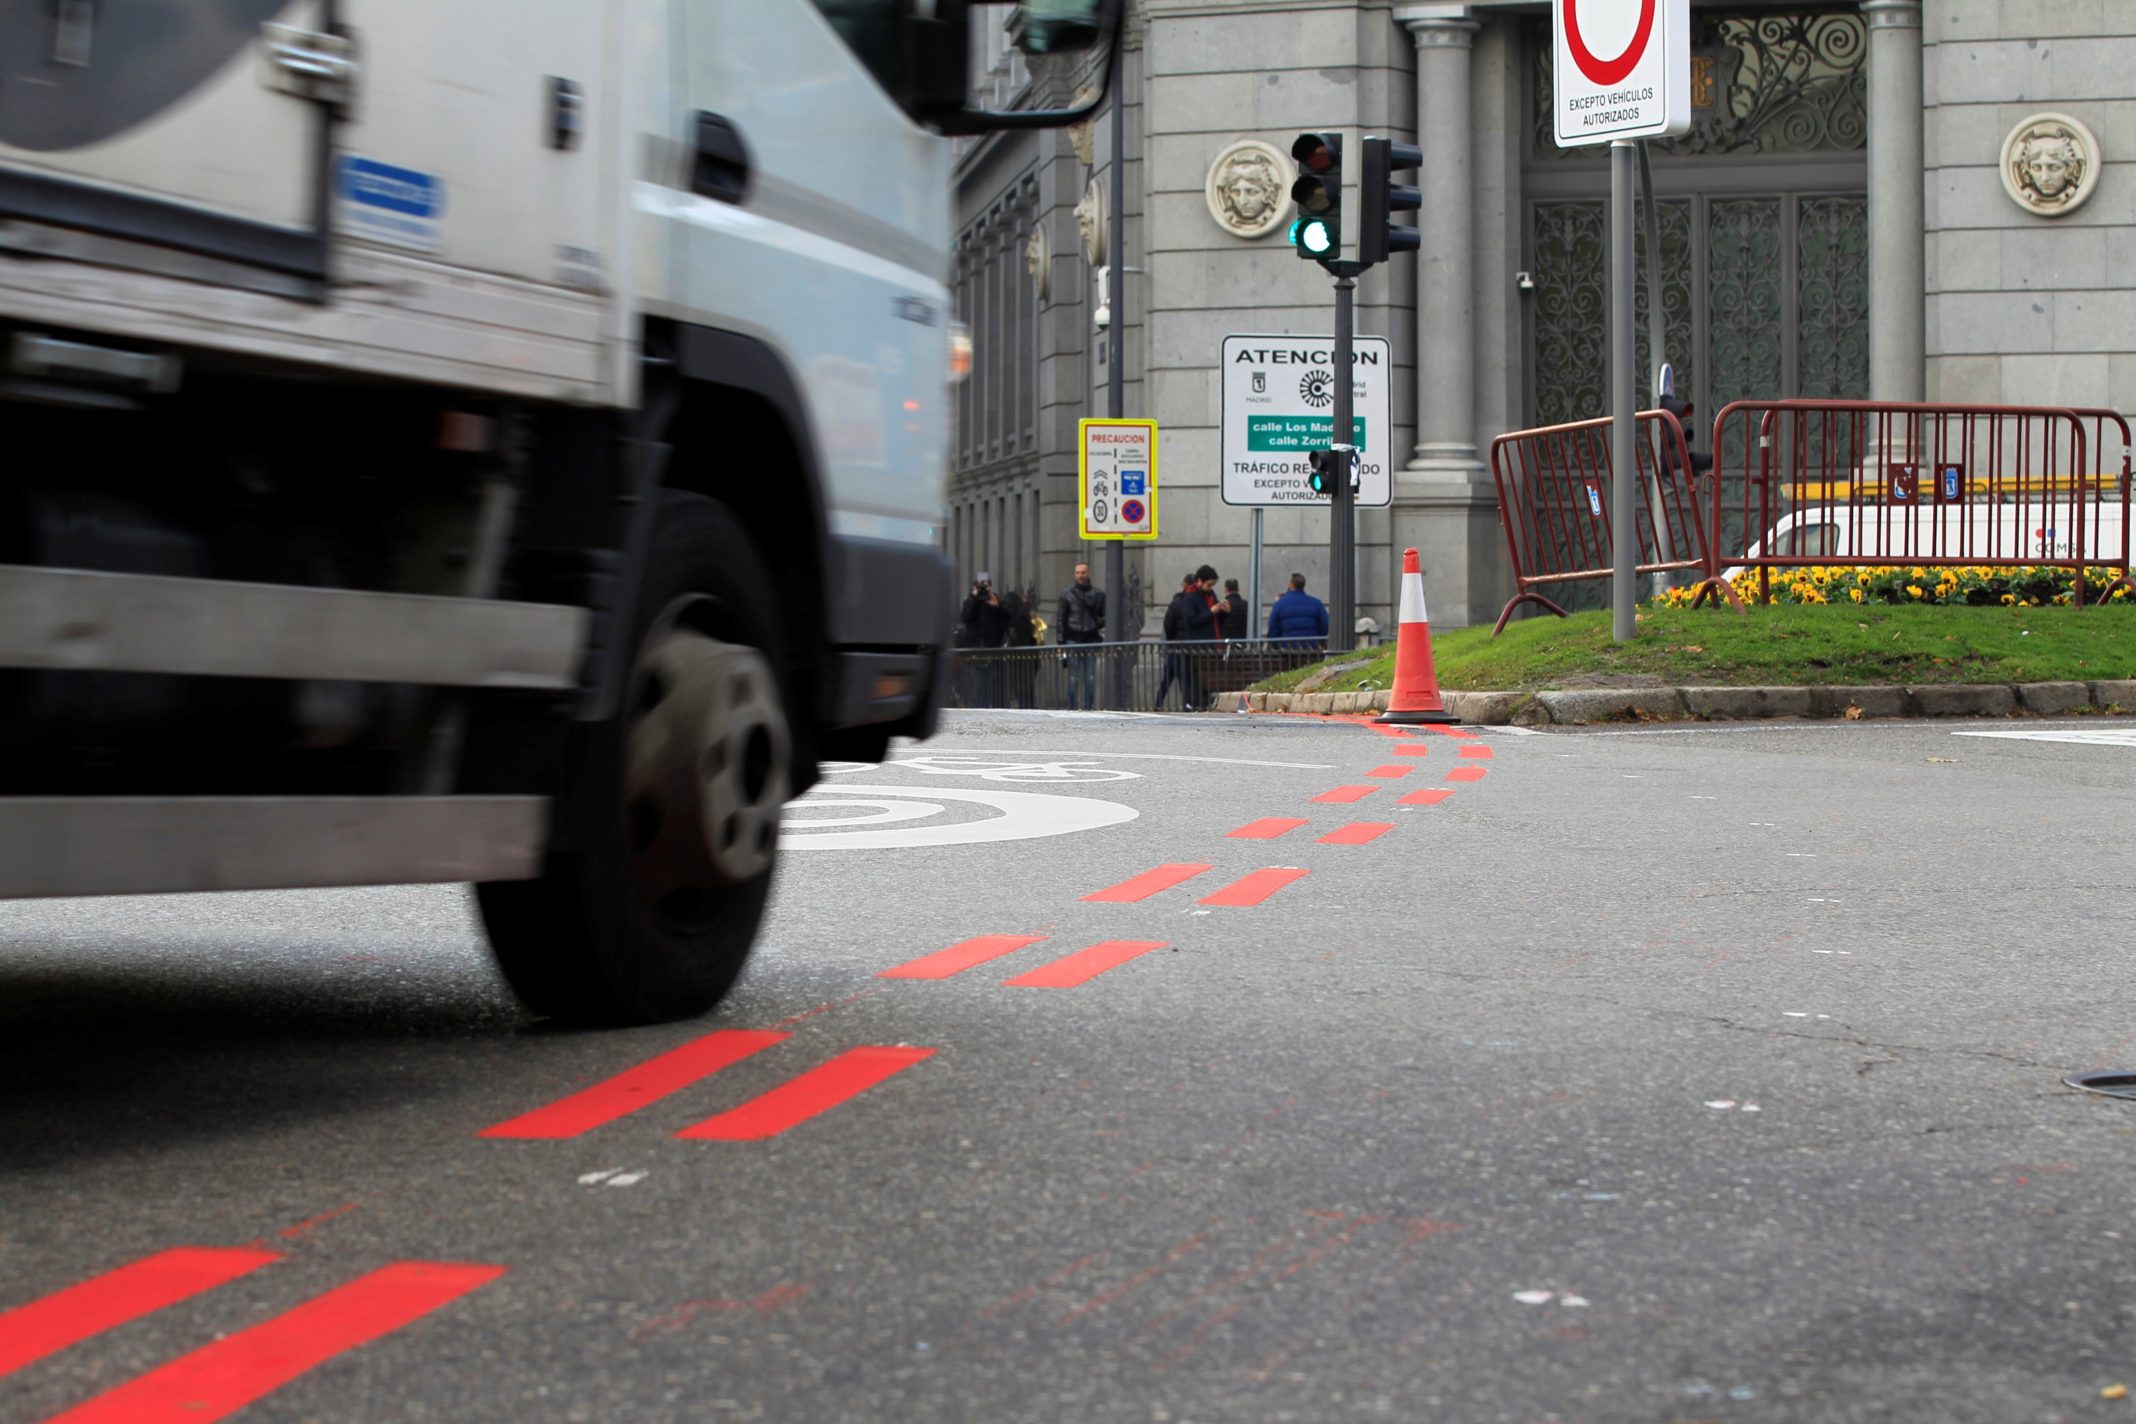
1903 199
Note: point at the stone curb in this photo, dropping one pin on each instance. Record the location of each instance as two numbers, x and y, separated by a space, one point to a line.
1720 704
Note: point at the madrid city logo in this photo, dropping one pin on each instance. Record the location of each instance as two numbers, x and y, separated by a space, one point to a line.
1318 388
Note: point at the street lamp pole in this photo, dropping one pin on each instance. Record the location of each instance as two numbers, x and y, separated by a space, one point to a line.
1116 379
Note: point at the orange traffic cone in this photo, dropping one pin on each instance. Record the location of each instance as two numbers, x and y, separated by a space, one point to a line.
1416 699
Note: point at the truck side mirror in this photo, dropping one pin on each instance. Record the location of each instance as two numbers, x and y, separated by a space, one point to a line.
1057 39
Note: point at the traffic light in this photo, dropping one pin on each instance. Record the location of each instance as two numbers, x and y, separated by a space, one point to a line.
1318 194
1322 479
1331 464
1383 197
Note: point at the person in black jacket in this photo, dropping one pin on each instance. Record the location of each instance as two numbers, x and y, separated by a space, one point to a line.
1082 625
1176 615
984 620
1237 621
982 624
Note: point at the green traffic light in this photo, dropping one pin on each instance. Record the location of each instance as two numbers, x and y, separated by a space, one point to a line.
1315 238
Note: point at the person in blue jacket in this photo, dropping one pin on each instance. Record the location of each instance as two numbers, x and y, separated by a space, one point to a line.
1298 617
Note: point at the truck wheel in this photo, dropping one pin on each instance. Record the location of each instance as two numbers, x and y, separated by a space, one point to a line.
671 817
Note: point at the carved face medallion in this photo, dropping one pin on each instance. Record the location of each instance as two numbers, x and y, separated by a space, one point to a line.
2050 164
1248 189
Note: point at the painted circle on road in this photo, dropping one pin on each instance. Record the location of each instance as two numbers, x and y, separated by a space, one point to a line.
1017 816
847 812
1608 71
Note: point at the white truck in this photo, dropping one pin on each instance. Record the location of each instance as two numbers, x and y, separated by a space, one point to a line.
479 440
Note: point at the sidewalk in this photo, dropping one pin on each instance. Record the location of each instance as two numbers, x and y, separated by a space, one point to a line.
1725 704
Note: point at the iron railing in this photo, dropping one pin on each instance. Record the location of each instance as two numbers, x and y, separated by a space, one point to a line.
1131 677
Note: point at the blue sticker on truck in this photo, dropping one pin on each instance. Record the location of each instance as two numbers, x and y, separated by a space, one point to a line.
399 207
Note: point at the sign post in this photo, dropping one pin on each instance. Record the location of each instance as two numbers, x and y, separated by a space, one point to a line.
1621 74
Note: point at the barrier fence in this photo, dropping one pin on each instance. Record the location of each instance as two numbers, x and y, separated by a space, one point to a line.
1798 483
1131 677
1554 505
1862 483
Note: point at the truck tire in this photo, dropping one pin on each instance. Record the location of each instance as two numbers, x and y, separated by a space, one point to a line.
670 814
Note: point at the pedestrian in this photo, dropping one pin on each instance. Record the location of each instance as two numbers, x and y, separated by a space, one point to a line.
1082 628
1297 619
1020 669
1176 614
986 622
1237 623
984 625
1201 626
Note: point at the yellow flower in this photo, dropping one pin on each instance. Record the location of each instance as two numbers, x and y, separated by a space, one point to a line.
1856 594
2010 598
1862 577
1914 589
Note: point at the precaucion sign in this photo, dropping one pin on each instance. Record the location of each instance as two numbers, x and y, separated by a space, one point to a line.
1279 406
1117 474
1622 69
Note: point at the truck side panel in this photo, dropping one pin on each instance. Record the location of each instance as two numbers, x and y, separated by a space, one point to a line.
468 249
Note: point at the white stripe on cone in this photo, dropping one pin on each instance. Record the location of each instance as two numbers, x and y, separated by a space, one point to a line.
1413 600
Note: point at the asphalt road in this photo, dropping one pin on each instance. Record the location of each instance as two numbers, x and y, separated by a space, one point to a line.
1645 1075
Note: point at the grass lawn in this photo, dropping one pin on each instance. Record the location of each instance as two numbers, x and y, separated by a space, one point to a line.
1784 645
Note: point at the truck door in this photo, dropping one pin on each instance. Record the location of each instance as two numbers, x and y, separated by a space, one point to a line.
819 223
116 125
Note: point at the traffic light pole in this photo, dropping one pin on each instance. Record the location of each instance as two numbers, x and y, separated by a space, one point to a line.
1342 507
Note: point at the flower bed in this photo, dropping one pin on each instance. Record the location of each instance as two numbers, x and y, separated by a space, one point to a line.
2028 587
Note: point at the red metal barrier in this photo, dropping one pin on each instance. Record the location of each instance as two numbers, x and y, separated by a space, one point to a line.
1554 504
1857 483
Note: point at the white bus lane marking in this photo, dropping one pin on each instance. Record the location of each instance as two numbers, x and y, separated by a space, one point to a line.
842 815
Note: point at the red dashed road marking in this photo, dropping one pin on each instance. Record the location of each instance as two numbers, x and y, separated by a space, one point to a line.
1357 833
1150 882
1412 749
44 1327
1084 965
217 1380
960 957
815 1092
1255 888
1344 795
1389 771
1480 752
1425 798
1266 829
638 1087
1467 773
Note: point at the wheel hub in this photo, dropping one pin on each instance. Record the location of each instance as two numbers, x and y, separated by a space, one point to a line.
705 771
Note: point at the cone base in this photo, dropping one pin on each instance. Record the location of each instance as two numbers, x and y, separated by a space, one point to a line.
1417 719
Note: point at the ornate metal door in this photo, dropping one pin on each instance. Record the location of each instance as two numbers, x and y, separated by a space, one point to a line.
1764 225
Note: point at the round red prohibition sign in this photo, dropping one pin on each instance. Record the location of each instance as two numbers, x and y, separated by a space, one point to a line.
1132 512
1608 71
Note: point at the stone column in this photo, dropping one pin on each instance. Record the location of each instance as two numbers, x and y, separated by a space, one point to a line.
1898 302
1446 263
1444 503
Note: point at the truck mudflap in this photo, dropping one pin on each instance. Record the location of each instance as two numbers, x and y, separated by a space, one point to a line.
115 126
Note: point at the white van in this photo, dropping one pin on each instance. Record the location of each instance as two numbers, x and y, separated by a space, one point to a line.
1979 530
